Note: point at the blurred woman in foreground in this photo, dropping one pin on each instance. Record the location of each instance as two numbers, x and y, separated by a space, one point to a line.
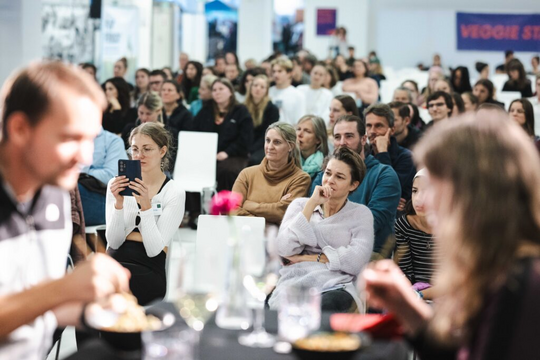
486 202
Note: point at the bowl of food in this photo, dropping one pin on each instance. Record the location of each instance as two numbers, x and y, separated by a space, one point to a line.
125 332
325 345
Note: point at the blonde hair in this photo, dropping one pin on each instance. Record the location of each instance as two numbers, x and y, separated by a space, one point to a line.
288 133
161 136
257 109
493 205
152 101
208 80
284 63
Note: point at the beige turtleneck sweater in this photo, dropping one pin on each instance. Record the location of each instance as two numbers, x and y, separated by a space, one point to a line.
262 190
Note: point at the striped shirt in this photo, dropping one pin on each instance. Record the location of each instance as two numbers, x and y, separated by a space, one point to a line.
416 250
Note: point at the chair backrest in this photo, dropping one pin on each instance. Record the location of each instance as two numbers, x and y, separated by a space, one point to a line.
195 166
212 252
507 97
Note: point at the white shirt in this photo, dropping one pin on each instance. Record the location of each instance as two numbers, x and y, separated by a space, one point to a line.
290 102
317 101
157 225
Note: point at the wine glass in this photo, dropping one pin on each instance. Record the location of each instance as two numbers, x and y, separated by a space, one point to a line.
259 282
195 301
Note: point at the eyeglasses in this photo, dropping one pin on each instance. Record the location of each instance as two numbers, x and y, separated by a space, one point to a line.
155 82
432 105
143 151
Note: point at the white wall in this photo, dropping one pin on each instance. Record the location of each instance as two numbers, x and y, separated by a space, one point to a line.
254 29
195 36
20 29
162 35
352 14
406 32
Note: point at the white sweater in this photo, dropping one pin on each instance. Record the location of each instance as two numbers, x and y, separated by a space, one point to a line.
290 102
317 101
346 238
156 230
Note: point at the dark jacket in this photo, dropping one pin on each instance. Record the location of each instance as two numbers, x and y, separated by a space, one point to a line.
412 138
270 116
235 134
116 121
526 90
181 119
401 161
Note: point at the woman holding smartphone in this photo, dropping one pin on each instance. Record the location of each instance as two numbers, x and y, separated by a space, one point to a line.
140 227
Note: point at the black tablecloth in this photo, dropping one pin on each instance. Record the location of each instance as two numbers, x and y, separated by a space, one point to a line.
220 344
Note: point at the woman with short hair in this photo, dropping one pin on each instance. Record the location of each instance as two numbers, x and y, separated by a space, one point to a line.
268 189
326 240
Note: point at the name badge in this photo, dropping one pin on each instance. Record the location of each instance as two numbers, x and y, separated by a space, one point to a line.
157 209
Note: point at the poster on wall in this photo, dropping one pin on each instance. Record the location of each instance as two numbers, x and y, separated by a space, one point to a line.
326 21
67 33
498 32
222 28
120 36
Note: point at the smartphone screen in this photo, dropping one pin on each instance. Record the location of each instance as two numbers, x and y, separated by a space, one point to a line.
132 170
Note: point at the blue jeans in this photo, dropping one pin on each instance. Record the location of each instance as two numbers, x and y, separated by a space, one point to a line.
93 207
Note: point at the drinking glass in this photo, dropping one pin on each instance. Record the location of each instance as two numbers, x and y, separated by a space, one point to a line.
169 344
299 313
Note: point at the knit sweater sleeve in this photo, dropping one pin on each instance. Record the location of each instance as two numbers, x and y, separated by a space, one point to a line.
157 234
295 231
241 186
352 258
116 229
274 212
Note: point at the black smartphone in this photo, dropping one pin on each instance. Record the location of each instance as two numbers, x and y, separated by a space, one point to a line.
131 169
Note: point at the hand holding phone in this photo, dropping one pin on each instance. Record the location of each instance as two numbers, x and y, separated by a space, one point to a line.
131 169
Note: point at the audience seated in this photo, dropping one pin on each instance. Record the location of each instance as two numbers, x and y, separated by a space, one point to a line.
317 98
440 106
140 227
326 240
118 113
332 82
298 75
93 180
470 102
485 91
268 189
384 146
365 88
243 86
482 69
157 78
379 191
458 104
234 125
205 93
415 246
232 73
522 112
403 94
191 80
343 70
415 93
175 115
263 112
312 141
517 79
444 85
142 84
406 134
435 74
120 70
289 100
460 80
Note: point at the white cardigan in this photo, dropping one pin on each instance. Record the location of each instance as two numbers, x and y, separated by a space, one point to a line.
156 230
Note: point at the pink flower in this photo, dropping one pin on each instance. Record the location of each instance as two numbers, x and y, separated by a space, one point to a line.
225 202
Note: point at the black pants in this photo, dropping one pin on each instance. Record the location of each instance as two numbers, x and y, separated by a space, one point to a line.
338 301
148 280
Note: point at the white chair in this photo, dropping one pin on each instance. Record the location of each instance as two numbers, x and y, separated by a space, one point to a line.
507 97
212 250
93 237
195 167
